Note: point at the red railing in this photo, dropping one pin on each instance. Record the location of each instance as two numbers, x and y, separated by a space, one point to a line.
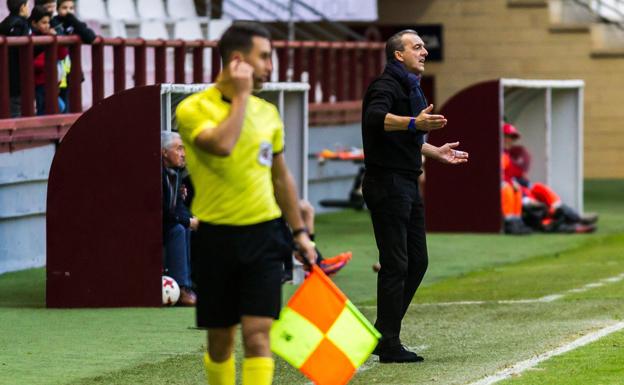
341 71
23 133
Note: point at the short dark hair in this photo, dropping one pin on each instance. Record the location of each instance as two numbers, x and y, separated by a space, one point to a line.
43 2
239 37
15 5
58 4
38 13
394 43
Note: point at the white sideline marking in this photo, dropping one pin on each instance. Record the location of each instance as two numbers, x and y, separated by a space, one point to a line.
527 364
547 298
523 365
614 279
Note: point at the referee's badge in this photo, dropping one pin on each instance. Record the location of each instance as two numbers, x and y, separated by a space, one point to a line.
265 157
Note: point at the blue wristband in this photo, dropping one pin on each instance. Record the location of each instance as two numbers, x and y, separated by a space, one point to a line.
411 127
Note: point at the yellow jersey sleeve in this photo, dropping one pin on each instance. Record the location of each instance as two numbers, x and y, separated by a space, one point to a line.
193 118
278 134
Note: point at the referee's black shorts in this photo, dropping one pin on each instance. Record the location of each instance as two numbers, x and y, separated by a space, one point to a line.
237 271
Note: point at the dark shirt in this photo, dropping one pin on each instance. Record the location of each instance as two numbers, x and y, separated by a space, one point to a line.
14 25
70 25
175 210
394 151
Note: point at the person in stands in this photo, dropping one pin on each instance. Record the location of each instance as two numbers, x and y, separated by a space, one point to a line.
16 24
66 23
40 23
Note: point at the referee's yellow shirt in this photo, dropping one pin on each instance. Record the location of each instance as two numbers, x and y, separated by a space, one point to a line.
236 189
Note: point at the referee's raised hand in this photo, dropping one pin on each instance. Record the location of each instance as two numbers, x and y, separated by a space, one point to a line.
241 76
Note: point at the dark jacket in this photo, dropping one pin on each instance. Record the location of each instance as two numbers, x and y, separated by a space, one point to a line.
395 151
175 210
14 25
70 25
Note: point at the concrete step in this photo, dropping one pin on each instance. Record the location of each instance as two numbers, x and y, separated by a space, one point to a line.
569 16
607 40
527 3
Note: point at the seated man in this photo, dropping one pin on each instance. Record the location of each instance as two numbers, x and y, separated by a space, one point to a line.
330 266
177 220
542 208
511 199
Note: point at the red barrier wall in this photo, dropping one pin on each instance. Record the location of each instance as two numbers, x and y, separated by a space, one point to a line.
466 198
104 210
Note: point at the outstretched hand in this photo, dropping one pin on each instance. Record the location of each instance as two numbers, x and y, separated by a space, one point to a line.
428 122
449 155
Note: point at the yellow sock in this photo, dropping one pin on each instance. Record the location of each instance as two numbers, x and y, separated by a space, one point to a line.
258 371
223 373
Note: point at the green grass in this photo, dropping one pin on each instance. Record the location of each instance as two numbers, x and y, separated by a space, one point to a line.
536 277
460 343
597 363
453 255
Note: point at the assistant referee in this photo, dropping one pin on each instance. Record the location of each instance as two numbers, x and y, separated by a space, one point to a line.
235 144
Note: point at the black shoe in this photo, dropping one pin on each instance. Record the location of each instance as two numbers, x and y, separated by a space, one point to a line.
516 226
575 228
589 218
397 354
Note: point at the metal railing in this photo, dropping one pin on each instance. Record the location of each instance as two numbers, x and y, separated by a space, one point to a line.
25 46
338 72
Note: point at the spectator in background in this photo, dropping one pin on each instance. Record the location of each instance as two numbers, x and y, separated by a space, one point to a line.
69 23
330 266
177 220
66 23
40 23
16 24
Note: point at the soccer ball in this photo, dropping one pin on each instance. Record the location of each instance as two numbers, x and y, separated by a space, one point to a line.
170 291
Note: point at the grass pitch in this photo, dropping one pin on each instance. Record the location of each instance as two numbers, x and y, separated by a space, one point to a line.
461 342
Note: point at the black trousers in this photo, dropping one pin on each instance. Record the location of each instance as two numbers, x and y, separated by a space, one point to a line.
397 213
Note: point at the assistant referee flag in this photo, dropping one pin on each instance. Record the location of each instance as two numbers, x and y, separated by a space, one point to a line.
321 333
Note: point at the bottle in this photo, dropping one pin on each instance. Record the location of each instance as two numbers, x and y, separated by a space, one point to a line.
298 272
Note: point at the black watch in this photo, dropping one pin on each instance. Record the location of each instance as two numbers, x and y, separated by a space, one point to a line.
299 231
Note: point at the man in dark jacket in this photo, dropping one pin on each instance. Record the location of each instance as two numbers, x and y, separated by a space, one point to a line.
395 119
177 220
16 24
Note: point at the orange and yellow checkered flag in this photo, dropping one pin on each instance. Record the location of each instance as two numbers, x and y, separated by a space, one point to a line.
321 333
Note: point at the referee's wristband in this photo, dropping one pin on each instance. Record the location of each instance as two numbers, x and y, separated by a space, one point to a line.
299 231
411 126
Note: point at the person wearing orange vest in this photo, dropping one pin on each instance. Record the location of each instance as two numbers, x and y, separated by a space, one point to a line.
541 206
511 202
